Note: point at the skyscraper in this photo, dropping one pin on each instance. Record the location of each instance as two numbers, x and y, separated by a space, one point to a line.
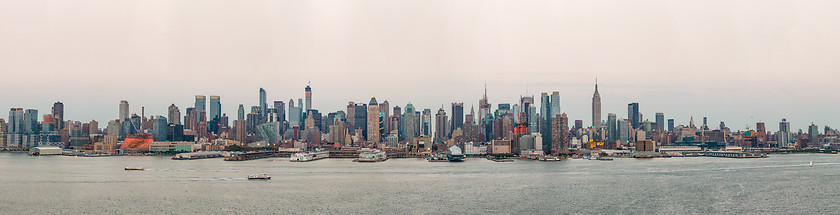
215 108
783 138
263 105
280 108
200 103
813 135
560 133
612 129
660 121
596 107
373 121
159 128
483 107
30 127
174 115
58 113
545 120
425 122
457 116
671 125
308 97
15 128
124 114
441 121
384 112
294 114
633 115
240 114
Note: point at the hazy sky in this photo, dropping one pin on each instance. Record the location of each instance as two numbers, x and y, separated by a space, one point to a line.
726 59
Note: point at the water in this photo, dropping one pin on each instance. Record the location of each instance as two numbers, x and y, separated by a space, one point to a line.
781 184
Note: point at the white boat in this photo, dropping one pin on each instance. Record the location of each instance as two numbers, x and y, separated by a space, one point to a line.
811 164
372 156
134 168
309 156
261 176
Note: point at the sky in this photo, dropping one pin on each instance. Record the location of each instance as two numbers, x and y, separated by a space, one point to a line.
735 61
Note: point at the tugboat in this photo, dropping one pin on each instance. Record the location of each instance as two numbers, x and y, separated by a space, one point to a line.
261 176
131 168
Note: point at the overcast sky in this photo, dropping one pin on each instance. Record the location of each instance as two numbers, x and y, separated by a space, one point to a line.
730 60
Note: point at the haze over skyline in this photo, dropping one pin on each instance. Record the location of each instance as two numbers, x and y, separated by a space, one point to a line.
729 60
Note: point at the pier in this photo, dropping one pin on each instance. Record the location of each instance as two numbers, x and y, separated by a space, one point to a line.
198 155
724 154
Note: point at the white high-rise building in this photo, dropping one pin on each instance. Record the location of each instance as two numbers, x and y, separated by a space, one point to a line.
784 134
124 111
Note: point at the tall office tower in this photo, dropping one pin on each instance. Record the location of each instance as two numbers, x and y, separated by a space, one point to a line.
515 112
813 136
31 128
294 114
533 120
596 107
761 129
215 108
308 97
457 117
612 129
241 130
174 115
426 122
359 118
633 115
555 103
441 133
280 108
660 121
560 133
545 120
351 114
384 112
483 107
373 121
94 127
263 105
240 113
705 123
670 125
124 114
159 128
783 138
722 125
200 104
410 129
3 130
15 128
190 119
623 130
469 119
58 113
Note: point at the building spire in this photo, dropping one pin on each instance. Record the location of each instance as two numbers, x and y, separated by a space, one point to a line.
596 84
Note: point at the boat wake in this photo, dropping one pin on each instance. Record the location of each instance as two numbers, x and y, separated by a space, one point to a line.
218 179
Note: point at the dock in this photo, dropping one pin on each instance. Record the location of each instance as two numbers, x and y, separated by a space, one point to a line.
725 154
198 155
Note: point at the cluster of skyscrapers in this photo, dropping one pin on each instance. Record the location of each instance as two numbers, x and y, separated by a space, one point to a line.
521 127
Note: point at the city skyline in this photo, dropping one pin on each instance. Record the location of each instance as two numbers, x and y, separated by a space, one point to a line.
762 58
232 110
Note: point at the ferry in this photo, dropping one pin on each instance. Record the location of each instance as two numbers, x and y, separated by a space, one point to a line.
130 168
309 156
455 154
372 156
261 176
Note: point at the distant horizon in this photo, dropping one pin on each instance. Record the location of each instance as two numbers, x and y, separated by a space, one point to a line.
751 61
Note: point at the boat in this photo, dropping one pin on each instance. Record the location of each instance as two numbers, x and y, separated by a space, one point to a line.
603 159
261 176
441 157
130 168
372 156
548 158
309 156
811 164
455 154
